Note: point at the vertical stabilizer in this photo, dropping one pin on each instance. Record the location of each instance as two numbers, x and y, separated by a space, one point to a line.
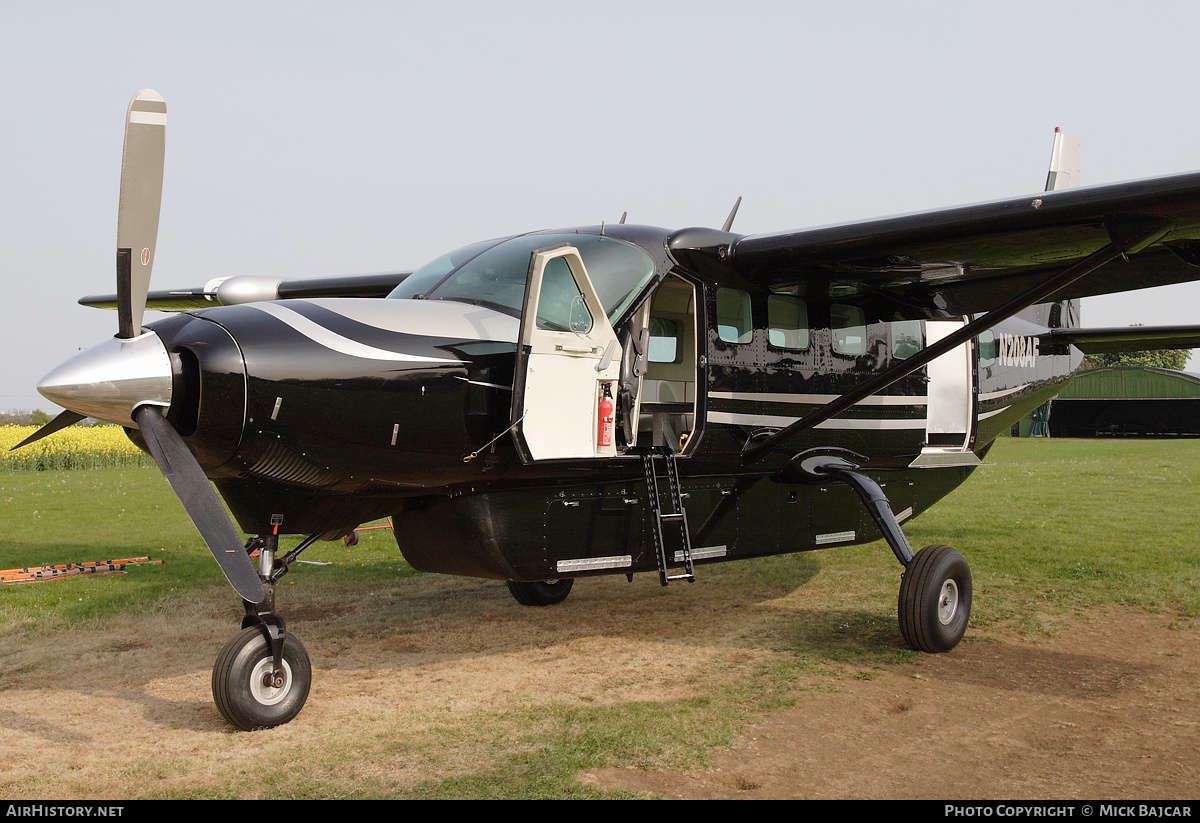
1064 163
1064 174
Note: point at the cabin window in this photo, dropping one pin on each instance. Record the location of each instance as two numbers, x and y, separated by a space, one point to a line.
849 326
561 306
987 348
733 316
664 340
906 338
787 321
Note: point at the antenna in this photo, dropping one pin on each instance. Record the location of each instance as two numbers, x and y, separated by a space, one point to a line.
732 214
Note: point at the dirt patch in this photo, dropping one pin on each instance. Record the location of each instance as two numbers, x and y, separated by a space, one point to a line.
1108 709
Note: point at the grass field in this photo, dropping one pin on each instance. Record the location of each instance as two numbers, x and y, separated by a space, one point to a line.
1054 530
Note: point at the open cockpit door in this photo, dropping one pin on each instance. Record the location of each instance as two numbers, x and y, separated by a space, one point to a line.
568 363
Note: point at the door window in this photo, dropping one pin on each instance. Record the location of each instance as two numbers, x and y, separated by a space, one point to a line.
561 306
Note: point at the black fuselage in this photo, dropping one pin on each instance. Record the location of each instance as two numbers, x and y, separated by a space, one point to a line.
326 414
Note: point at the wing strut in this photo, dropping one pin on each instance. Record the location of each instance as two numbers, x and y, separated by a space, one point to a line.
1125 239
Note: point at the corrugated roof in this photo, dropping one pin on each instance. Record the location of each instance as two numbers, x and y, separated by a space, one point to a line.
1136 382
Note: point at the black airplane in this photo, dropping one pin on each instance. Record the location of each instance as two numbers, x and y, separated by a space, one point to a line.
612 399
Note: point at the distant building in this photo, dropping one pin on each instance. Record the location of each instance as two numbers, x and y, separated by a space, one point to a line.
1127 400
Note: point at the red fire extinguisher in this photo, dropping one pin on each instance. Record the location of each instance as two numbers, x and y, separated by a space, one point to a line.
605 433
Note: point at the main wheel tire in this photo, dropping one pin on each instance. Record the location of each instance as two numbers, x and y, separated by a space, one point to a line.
935 599
542 592
241 684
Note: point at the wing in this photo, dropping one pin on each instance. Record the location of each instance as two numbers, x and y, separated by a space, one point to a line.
991 260
977 258
1126 339
227 291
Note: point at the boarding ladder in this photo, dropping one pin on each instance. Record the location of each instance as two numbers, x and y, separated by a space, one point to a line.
671 552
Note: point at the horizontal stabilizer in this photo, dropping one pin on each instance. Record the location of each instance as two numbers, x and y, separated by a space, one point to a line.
229 291
1126 338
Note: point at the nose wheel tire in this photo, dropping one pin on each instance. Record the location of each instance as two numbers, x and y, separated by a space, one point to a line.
542 592
935 599
245 688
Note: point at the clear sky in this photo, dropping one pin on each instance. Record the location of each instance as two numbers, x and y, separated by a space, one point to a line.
319 138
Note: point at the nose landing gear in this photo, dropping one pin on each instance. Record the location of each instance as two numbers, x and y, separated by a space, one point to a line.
263 675
249 692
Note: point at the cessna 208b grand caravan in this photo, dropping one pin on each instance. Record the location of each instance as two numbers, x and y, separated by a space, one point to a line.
612 399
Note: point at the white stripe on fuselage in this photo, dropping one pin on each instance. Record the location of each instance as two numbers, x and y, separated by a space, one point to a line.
995 395
820 399
740 419
336 342
746 419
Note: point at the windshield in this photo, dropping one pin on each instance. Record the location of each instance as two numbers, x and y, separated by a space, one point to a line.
494 273
435 271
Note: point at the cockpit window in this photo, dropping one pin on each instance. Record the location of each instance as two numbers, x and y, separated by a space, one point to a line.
425 278
494 274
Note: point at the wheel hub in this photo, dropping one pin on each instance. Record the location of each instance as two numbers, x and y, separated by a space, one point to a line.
267 688
947 602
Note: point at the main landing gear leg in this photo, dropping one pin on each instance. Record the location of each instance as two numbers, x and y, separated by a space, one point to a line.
935 589
263 675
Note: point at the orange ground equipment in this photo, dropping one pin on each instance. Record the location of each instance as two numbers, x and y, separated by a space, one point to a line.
37 574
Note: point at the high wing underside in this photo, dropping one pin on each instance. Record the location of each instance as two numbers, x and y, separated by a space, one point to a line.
975 259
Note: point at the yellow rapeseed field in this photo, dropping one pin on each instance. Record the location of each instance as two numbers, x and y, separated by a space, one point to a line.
75 447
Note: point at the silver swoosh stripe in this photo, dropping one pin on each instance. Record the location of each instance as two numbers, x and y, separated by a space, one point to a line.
994 395
484 383
986 415
344 345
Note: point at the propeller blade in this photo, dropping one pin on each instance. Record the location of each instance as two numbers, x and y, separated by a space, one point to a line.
141 198
67 418
200 501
